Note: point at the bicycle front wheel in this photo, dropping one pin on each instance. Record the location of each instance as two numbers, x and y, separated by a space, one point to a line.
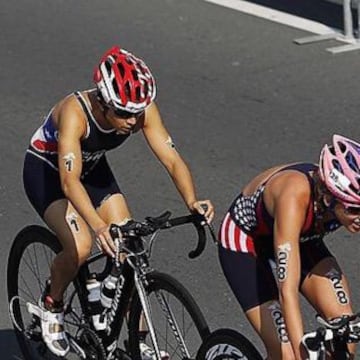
179 325
227 344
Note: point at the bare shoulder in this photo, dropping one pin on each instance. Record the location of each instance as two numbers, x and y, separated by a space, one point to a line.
290 184
261 178
152 115
69 116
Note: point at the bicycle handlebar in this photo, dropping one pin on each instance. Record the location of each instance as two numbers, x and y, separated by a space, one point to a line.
153 224
341 327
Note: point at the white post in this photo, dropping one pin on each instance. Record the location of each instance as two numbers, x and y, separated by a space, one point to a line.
358 17
348 23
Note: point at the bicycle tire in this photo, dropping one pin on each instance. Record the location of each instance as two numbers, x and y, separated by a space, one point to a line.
39 243
227 344
177 297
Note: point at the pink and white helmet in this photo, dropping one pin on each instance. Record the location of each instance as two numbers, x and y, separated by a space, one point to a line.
340 169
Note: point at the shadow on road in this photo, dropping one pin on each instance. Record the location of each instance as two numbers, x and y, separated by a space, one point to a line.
9 349
325 12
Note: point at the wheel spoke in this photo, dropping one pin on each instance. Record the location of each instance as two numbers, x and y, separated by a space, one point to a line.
177 320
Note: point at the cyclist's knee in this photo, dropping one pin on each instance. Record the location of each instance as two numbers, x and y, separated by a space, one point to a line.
77 255
84 251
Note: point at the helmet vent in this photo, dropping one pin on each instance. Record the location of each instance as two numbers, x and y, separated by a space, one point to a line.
127 89
342 147
108 67
135 74
138 93
146 88
352 162
115 86
121 70
337 165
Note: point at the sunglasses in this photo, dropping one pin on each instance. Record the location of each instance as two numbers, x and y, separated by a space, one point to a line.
126 114
351 210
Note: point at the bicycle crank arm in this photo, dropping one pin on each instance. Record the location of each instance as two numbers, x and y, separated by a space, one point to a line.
75 347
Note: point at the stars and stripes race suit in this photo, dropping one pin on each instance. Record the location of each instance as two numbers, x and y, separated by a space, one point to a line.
246 244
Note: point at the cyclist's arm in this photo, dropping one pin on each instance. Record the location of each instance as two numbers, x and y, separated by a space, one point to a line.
290 208
72 127
161 144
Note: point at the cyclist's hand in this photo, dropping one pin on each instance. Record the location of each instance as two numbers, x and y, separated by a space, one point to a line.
203 207
104 241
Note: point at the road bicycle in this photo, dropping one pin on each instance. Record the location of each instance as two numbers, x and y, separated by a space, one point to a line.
174 322
329 340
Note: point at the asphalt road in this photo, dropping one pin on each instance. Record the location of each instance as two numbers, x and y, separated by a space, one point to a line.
235 92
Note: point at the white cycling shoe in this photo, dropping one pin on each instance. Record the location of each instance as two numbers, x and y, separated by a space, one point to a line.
148 353
52 329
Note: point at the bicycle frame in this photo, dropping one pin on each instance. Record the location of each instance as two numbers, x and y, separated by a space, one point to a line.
120 304
134 271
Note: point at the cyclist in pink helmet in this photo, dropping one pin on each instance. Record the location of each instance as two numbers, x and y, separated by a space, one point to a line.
69 182
340 170
271 244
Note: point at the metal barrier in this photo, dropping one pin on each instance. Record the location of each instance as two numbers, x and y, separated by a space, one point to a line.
349 35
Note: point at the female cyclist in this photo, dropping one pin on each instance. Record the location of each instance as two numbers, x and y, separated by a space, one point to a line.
272 244
68 179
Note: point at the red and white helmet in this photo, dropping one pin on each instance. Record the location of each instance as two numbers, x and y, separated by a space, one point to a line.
124 81
340 169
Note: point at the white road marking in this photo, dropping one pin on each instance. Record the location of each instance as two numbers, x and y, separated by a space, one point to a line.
275 15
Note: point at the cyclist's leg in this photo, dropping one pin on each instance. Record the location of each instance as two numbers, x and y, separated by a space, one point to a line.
325 286
268 322
76 240
43 188
252 281
114 210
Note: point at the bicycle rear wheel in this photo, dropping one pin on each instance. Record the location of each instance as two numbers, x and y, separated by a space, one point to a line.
28 269
227 344
179 324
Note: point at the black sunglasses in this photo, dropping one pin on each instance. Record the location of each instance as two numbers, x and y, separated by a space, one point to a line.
126 114
352 210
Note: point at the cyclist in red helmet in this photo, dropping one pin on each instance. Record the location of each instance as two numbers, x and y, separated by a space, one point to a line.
271 244
68 180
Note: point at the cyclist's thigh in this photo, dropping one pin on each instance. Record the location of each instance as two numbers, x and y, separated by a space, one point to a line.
327 289
114 210
70 228
105 194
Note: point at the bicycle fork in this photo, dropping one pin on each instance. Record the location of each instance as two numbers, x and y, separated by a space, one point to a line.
147 312
169 315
